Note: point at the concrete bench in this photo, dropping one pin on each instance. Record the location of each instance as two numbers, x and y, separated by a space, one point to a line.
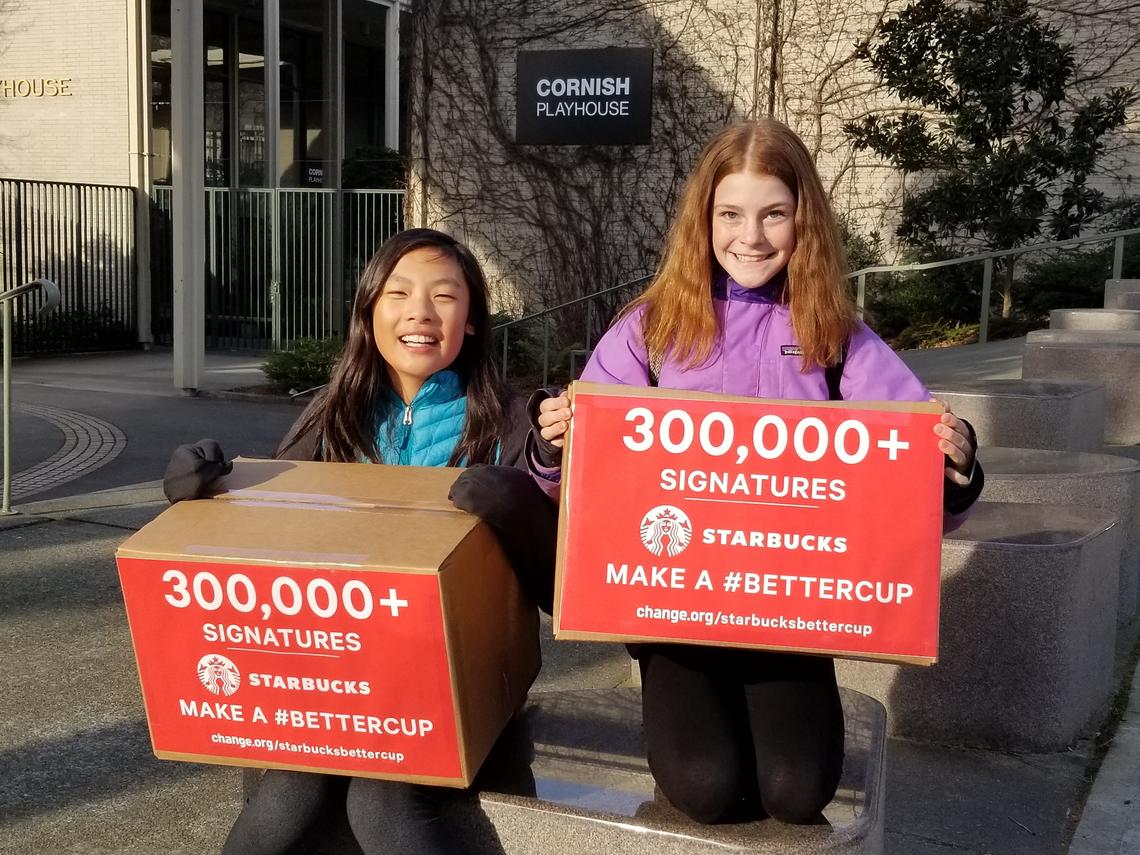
1094 319
1109 358
1102 482
594 793
1063 415
1113 288
1027 631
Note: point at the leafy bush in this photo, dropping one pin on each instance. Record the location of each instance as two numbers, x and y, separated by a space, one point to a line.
308 363
950 295
926 334
862 250
374 167
71 331
525 349
1074 280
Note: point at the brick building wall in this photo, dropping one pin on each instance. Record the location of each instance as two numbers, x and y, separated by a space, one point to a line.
82 136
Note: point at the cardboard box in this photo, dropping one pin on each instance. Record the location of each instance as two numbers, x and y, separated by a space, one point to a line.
801 526
340 618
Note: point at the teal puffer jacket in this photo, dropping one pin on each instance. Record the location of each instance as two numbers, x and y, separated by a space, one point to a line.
426 431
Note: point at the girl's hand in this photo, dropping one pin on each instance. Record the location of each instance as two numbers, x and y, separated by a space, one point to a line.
954 441
554 416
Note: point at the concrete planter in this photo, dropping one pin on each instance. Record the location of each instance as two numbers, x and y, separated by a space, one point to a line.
1109 358
1128 300
1099 482
1027 630
1061 415
1094 319
1113 288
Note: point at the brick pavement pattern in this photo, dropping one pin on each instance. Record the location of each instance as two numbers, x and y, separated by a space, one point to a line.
88 443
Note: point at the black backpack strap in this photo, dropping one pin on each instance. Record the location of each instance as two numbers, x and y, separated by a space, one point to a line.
833 374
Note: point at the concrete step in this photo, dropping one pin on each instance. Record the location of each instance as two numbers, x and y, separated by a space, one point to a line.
1026 636
594 792
590 791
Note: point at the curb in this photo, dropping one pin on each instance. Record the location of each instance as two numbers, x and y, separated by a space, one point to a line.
133 494
251 397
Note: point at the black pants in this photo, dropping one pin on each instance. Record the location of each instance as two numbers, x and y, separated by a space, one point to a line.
291 812
735 735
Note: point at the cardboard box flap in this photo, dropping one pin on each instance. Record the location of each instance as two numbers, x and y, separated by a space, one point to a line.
274 532
340 484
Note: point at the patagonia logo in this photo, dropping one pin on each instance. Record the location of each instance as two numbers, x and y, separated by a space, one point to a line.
790 350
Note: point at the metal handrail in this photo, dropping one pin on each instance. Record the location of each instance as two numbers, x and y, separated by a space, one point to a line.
860 276
987 259
7 298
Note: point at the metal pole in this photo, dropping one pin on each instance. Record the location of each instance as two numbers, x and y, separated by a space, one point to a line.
1118 257
189 211
861 294
6 508
987 281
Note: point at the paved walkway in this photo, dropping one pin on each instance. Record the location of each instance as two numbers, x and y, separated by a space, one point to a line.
92 435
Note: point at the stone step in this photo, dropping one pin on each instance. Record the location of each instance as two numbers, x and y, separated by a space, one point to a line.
1110 358
1026 635
593 792
1114 288
1061 415
1103 482
1094 319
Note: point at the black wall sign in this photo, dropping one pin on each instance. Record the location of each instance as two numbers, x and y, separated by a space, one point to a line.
584 97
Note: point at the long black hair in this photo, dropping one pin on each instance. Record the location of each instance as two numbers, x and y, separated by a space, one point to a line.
346 414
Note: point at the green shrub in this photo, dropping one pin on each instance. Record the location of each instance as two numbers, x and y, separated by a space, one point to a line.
308 363
926 334
862 250
524 351
374 167
72 330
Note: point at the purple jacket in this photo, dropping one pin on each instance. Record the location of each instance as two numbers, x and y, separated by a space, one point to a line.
757 356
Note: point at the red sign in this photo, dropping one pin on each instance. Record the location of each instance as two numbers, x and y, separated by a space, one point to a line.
775 524
322 669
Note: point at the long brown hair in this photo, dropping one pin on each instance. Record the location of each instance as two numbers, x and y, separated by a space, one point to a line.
679 314
346 415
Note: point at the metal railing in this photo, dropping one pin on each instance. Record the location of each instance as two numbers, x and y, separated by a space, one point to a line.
81 236
859 276
49 300
281 264
987 259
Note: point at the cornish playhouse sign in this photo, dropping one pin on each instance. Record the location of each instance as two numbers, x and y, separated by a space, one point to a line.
584 97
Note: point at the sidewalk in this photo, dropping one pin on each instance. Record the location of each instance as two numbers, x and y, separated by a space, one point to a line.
79 774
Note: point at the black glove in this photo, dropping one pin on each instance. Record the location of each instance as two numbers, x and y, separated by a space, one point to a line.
546 452
522 516
193 468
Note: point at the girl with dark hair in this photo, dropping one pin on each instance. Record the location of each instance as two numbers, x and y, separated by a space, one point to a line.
416 385
750 299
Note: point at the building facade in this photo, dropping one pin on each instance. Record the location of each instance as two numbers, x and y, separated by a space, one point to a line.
556 222
280 119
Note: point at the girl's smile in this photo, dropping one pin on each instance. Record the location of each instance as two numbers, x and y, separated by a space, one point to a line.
753 226
420 318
